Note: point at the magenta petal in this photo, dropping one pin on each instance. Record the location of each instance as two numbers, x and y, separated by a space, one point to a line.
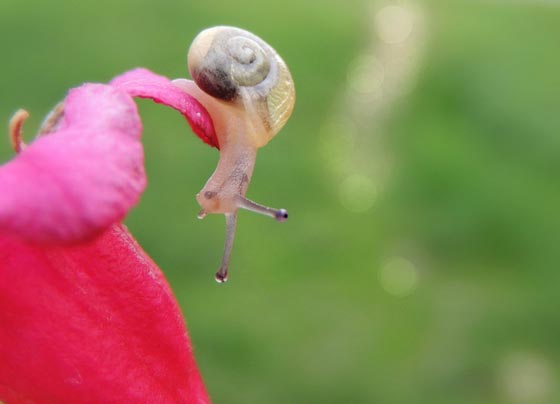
72 184
145 84
92 323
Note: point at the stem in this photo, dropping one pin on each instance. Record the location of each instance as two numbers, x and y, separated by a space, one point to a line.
16 130
52 120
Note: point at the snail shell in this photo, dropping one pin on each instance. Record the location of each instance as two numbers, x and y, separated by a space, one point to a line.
240 69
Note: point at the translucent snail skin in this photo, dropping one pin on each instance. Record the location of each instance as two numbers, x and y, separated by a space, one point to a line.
249 92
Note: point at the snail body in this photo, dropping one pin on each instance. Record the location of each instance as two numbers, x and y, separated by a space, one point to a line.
249 93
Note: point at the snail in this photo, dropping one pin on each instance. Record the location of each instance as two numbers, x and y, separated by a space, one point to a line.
249 93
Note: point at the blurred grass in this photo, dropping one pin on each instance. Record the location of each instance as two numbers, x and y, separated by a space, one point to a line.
471 202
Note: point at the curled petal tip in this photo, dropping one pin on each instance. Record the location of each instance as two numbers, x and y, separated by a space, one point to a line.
145 84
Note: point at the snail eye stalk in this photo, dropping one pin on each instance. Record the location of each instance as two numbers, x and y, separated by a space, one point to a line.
281 215
231 223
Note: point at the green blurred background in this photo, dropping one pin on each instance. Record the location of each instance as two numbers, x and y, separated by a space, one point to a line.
421 170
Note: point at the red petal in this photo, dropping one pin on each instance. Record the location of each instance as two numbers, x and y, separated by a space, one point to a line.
73 184
145 84
95 323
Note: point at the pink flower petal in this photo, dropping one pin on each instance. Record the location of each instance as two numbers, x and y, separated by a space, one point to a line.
72 184
94 323
145 84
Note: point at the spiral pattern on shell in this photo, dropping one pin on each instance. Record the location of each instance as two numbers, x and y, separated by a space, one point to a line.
249 63
236 66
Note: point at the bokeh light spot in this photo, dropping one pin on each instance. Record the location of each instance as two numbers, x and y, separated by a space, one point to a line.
357 193
526 378
366 75
394 24
398 277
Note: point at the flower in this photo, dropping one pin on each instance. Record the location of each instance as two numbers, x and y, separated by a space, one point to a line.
85 315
